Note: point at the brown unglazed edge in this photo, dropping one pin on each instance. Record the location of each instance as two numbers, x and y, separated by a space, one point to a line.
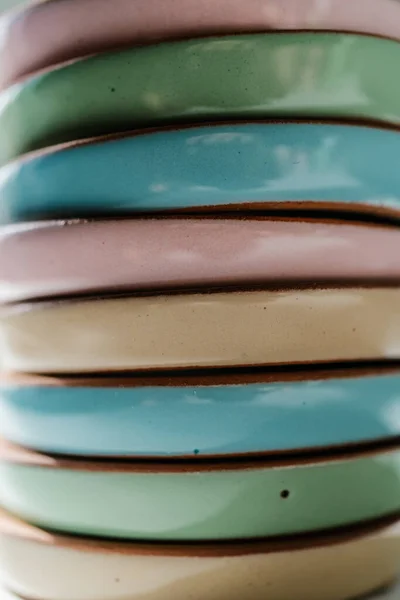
207 377
287 216
293 284
388 525
289 288
17 455
349 212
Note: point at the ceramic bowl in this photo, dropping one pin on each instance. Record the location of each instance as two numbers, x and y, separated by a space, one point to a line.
41 35
390 592
339 566
222 167
247 76
201 330
203 416
209 500
64 258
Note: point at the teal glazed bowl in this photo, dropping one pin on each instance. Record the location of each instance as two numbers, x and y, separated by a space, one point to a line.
284 75
200 416
199 501
278 165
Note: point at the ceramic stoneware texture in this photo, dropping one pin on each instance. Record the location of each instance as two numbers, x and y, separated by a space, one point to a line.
41 35
337 567
195 416
218 329
390 592
199 501
247 76
62 258
281 165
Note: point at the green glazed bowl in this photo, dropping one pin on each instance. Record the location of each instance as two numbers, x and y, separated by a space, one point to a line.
242 76
199 500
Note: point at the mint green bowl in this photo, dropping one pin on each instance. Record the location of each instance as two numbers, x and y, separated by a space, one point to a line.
296 74
198 501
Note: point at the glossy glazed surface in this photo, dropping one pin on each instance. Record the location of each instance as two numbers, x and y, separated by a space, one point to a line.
125 417
201 330
60 258
196 503
334 165
40 35
337 568
248 76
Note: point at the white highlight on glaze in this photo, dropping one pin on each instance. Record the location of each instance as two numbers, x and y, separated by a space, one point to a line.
319 11
209 139
272 397
392 415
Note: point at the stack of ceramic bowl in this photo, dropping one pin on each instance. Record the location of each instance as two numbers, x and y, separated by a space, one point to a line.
199 332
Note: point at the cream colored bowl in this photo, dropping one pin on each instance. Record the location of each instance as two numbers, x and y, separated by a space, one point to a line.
202 330
344 566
